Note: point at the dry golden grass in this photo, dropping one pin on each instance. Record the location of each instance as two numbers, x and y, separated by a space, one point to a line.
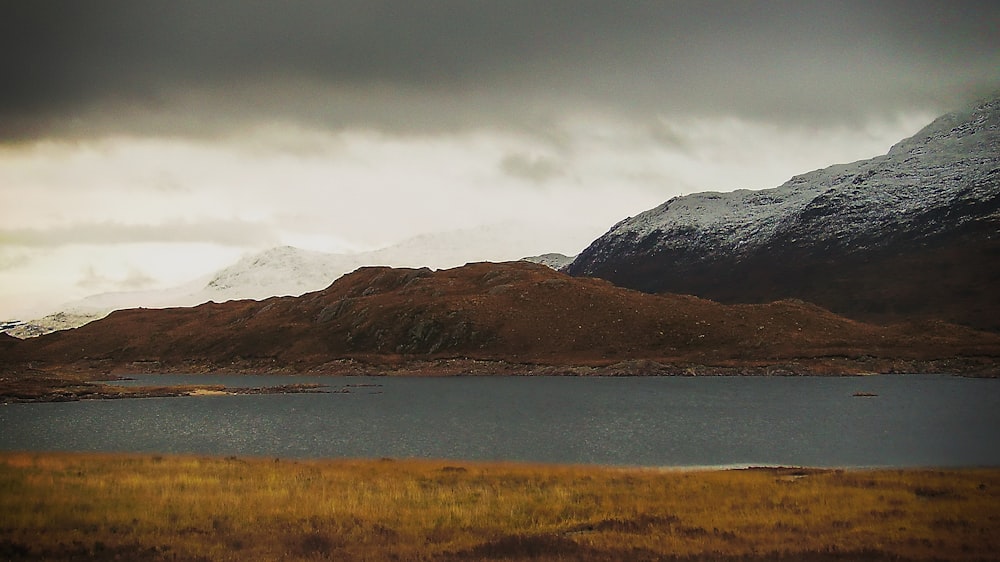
71 506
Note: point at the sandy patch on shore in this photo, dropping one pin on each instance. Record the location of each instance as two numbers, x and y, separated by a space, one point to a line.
207 392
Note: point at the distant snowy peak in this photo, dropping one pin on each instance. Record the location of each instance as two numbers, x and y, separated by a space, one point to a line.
290 271
281 271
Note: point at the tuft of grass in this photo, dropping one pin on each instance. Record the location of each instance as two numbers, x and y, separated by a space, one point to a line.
77 506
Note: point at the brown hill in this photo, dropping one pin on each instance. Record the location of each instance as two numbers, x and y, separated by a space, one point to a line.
489 317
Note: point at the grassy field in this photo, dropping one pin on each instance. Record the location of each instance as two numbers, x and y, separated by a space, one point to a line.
107 507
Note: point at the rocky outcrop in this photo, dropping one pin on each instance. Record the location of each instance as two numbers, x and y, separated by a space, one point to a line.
558 262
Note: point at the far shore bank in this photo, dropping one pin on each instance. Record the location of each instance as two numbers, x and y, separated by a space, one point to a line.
84 381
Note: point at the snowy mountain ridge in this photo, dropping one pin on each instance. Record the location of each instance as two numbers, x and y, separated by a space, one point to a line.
914 233
953 160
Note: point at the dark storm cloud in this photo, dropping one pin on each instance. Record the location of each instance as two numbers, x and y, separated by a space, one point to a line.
193 67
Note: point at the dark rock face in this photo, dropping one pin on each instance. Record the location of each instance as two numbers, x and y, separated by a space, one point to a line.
913 234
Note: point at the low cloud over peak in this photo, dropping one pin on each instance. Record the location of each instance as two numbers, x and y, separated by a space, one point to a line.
219 232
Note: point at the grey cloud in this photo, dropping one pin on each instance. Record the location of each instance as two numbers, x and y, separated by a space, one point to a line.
136 279
536 169
190 67
91 280
228 233
669 136
11 260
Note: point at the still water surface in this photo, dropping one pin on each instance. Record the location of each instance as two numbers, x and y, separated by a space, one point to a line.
652 421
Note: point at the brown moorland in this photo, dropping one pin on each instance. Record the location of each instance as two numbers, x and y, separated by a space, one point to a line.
129 507
488 318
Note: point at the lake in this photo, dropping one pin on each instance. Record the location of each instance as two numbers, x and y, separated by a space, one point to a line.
915 420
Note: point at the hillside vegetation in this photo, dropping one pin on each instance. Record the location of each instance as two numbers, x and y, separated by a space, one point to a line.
103 507
490 318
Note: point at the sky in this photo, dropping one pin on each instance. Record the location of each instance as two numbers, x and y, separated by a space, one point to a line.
143 144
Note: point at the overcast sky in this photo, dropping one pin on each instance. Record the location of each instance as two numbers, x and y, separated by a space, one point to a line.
146 143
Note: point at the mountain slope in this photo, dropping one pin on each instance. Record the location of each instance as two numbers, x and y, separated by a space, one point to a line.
911 234
518 313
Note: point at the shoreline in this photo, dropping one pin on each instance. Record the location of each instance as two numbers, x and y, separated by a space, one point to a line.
72 391
791 470
38 388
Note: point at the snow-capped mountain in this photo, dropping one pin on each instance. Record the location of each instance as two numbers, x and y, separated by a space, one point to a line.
289 271
280 271
915 232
